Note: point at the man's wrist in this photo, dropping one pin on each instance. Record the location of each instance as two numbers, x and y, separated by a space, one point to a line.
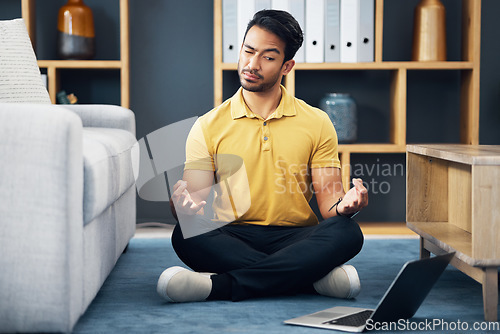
336 205
351 215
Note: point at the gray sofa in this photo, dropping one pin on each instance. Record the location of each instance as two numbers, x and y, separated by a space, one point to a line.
67 210
67 202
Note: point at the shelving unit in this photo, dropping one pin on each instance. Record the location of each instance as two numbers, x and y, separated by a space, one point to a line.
452 204
53 67
469 94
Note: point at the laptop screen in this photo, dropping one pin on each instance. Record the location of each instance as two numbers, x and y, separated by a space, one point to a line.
409 289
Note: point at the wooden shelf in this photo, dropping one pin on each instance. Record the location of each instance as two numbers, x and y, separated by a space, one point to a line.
470 155
387 65
386 228
384 65
450 238
83 64
371 148
455 238
54 66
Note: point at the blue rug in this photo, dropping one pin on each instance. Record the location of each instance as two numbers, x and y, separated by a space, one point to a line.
128 303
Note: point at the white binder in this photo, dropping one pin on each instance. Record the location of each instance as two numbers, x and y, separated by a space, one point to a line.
366 31
332 31
349 30
297 9
246 10
230 43
280 5
262 4
314 31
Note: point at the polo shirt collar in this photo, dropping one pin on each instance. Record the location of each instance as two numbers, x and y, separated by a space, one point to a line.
240 109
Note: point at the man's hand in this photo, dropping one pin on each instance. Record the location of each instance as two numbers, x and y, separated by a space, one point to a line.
354 200
183 201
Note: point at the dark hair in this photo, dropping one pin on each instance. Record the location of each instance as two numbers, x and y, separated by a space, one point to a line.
283 25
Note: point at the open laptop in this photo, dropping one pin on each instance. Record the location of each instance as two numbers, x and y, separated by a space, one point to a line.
401 300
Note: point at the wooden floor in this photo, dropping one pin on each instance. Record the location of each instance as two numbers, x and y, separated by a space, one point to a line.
376 229
388 228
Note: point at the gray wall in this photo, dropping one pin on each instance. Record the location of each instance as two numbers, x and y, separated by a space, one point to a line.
172 79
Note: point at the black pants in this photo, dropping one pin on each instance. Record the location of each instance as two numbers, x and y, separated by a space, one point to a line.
254 261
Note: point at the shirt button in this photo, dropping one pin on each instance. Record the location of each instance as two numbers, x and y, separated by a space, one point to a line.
265 138
265 123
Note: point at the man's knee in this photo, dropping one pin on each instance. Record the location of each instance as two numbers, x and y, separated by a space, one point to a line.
177 238
179 243
349 229
191 251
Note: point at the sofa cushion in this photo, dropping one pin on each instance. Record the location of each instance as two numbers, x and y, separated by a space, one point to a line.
107 168
20 79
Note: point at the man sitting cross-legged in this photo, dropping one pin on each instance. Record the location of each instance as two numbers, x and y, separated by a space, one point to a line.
287 150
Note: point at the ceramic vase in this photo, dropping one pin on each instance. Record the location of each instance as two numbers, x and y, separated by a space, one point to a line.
75 29
429 31
341 108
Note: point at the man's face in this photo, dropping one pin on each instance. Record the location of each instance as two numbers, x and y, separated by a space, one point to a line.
260 66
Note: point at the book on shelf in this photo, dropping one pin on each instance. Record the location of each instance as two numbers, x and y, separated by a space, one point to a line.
366 27
63 98
314 31
45 80
230 44
332 31
297 8
235 17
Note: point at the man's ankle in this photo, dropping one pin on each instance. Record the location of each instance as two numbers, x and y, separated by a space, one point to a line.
221 287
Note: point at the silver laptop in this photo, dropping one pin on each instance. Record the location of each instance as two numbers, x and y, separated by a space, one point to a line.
401 300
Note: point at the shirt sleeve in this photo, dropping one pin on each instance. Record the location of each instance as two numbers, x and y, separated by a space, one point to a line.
197 153
326 153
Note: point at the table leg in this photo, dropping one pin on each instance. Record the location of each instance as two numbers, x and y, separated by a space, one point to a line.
424 253
490 293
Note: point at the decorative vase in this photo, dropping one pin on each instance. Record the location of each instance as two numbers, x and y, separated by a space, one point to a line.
75 29
429 31
341 108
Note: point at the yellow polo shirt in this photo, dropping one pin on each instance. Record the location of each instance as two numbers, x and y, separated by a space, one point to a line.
262 167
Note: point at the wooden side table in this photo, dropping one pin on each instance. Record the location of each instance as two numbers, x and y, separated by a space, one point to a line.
453 203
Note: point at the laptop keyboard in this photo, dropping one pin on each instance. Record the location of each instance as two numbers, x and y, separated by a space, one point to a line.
353 320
